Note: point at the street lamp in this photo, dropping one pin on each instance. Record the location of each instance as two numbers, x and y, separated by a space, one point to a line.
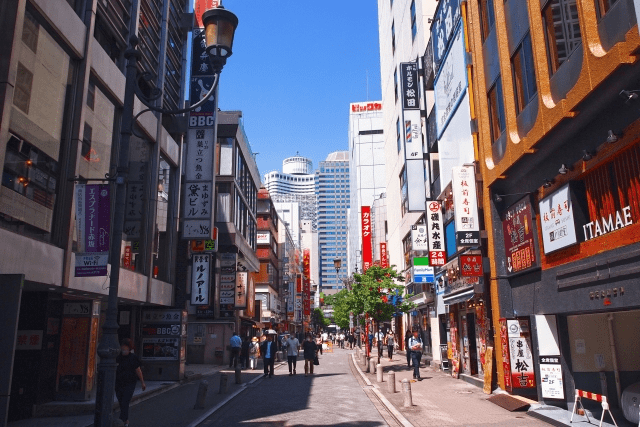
337 263
220 26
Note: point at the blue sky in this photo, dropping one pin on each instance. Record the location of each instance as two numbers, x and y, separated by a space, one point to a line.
296 66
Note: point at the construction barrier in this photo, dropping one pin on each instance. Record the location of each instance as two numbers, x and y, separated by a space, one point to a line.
592 396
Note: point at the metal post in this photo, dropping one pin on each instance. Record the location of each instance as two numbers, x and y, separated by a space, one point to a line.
406 393
379 372
109 348
203 387
391 382
238 375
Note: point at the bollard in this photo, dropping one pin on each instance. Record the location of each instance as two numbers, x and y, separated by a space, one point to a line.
363 360
238 376
391 382
372 366
203 387
406 393
223 384
379 372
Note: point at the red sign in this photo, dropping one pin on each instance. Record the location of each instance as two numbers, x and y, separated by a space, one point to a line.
299 284
366 106
471 265
306 282
506 361
517 228
384 260
367 256
200 7
127 257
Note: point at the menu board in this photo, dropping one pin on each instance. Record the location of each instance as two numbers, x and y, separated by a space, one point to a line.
518 232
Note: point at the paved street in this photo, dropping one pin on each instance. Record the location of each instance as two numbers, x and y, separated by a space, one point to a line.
332 396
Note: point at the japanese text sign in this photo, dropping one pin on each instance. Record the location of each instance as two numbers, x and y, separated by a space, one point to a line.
242 279
200 279
521 357
466 206
199 164
384 260
199 188
518 234
557 220
367 255
436 233
419 238
410 91
93 222
471 265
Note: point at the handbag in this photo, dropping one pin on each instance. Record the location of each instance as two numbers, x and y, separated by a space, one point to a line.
316 362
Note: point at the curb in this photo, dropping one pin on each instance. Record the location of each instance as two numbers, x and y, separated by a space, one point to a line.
229 398
398 416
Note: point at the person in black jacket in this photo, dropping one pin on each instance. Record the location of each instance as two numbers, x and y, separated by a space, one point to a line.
244 353
127 374
268 350
310 352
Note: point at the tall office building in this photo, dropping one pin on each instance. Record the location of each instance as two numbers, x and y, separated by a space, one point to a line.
295 184
332 188
366 169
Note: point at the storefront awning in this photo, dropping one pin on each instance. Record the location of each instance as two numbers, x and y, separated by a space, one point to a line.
252 322
459 297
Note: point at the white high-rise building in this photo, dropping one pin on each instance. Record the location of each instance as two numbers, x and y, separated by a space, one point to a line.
366 169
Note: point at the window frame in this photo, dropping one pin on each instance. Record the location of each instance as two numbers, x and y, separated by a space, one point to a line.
523 74
550 30
497 118
487 17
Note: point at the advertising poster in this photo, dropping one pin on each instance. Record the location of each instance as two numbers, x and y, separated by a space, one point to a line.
93 220
518 231
551 378
521 356
419 240
160 349
436 233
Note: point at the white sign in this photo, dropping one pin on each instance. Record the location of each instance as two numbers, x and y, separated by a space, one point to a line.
465 201
556 219
29 340
551 378
199 162
451 82
241 289
412 134
436 233
200 275
419 238
264 238
198 191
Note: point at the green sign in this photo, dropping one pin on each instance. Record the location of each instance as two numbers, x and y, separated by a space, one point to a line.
211 245
421 260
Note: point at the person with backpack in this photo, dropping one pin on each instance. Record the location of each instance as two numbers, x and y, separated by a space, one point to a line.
254 353
415 346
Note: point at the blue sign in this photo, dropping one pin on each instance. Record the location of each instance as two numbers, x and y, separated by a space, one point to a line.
446 19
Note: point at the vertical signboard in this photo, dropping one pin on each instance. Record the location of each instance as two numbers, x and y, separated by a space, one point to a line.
436 233
506 360
518 232
419 240
93 219
384 257
241 289
306 281
451 82
446 19
551 382
412 136
200 7
200 279
471 265
135 202
521 357
228 263
558 223
466 206
367 255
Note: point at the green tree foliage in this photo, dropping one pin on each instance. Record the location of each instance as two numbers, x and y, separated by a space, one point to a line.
339 303
318 319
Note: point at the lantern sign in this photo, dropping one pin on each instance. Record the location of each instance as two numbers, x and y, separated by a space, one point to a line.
466 206
436 233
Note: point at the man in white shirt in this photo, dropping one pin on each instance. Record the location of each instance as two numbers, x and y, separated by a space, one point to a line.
293 345
415 347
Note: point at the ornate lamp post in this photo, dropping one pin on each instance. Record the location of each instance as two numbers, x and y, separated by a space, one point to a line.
220 26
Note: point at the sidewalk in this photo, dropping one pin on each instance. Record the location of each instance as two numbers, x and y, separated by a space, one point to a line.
158 405
440 400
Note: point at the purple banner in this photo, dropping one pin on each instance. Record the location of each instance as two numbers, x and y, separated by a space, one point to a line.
93 221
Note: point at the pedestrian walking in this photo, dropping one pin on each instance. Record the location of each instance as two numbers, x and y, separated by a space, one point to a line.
268 350
293 345
407 336
236 346
341 340
127 375
254 353
244 353
391 341
379 338
351 340
415 345
310 350
319 342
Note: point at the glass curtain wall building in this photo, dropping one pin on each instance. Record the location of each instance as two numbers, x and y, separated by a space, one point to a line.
332 190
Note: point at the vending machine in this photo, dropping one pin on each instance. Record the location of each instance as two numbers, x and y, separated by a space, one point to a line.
163 344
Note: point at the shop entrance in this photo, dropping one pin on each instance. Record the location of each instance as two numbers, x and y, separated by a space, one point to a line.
473 352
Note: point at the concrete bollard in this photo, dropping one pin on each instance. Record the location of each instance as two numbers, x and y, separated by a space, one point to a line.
238 376
406 393
203 387
379 372
391 382
372 366
224 386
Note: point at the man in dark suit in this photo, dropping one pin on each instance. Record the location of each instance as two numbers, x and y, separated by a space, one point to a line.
268 350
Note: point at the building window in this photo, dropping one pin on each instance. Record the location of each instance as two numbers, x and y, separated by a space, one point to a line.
398 133
523 73
393 37
22 91
30 31
414 23
487 18
390 3
395 84
85 152
562 31
404 192
91 95
496 110
603 6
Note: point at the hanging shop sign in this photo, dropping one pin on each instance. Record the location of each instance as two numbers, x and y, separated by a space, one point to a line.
615 221
551 378
471 265
435 233
518 234
557 220
365 107
451 82
465 202
306 281
241 290
197 206
423 274
200 279
446 19
520 354
419 240
367 255
228 270
200 7
93 222
384 260
410 91
263 238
